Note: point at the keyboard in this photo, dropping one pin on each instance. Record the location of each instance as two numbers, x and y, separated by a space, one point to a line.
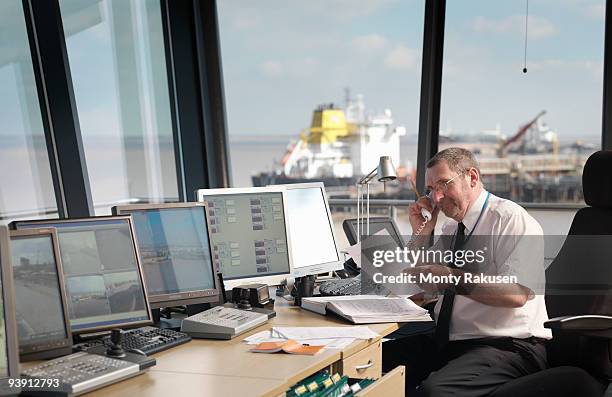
82 372
343 286
144 340
222 322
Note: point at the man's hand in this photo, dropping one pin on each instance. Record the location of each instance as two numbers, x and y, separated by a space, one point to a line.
416 219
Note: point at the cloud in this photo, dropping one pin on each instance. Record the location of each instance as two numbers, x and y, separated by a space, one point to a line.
244 21
295 68
271 68
594 68
369 43
402 58
539 28
345 10
596 11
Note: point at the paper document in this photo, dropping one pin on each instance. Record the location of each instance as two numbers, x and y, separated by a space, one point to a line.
303 333
355 250
329 343
368 309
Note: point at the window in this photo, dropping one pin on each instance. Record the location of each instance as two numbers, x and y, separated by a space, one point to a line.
27 186
319 90
117 61
532 132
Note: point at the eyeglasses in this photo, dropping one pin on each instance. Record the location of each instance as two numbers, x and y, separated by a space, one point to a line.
442 187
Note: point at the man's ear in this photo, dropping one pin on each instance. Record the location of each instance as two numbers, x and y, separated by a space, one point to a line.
474 177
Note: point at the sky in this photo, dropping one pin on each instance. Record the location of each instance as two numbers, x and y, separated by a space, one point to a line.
283 58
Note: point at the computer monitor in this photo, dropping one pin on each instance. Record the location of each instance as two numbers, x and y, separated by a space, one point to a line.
43 328
9 345
314 248
376 225
102 273
175 252
248 234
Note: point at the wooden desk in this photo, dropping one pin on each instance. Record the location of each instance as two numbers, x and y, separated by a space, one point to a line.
226 368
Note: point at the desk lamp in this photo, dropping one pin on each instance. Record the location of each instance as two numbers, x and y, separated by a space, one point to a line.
385 172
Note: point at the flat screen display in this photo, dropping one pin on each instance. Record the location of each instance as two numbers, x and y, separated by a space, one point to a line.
248 234
101 272
174 249
38 299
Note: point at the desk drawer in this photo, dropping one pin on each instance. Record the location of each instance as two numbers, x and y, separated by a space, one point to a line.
364 364
390 385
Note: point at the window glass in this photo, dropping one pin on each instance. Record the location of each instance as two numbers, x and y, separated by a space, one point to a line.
319 90
117 61
27 186
531 132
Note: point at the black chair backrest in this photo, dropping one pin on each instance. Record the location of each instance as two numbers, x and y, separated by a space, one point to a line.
579 280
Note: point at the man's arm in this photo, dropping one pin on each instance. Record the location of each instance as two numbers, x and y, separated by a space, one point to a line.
492 294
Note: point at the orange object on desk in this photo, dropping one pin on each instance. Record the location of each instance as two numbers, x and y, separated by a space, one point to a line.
290 346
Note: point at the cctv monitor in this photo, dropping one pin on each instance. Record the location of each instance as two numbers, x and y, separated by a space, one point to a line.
9 345
376 224
102 273
314 248
248 234
175 252
43 328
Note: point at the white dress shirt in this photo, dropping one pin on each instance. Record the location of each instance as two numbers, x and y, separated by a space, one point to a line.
506 227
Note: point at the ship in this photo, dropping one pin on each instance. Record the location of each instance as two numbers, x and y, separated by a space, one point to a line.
340 146
343 144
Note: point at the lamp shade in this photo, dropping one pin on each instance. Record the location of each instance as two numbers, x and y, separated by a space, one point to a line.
386 170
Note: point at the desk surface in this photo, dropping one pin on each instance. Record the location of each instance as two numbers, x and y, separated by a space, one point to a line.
212 367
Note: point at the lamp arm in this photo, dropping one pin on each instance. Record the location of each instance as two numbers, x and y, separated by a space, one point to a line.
366 179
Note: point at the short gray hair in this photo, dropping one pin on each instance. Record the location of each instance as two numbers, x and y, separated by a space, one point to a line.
458 159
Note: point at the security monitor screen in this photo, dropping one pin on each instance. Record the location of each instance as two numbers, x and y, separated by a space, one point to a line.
101 272
38 299
248 234
4 365
174 249
310 228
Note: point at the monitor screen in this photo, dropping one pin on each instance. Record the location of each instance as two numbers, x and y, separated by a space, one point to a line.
9 356
175 252
248 234
39 302
376 225
313 243
101 272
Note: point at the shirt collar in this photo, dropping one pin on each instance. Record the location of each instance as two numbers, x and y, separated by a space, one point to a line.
471 217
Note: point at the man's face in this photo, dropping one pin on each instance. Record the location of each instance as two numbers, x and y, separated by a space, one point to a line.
455 200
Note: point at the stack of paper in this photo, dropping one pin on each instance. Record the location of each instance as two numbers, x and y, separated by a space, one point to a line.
368 309
330 337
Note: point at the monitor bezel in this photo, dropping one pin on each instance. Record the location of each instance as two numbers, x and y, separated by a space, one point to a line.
351 233
62 346
128 219
320 267
10 320
264 279
179 298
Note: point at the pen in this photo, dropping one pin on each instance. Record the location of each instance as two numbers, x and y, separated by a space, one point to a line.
414 189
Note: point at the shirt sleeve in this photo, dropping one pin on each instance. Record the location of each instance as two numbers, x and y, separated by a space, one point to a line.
519 250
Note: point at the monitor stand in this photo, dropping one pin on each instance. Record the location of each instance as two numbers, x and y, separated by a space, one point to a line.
165 323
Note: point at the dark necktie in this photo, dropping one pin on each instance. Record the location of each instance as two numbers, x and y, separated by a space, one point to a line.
446 309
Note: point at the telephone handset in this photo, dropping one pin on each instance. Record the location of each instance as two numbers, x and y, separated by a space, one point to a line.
426 214
427 217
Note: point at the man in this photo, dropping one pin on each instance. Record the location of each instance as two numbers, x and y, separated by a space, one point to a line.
487 333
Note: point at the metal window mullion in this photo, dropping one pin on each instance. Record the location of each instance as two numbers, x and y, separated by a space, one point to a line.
431 86
58 108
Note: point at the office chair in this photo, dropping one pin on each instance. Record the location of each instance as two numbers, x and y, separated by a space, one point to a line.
579 299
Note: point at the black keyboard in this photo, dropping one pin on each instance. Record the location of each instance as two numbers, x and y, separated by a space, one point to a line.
147 340
345 286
